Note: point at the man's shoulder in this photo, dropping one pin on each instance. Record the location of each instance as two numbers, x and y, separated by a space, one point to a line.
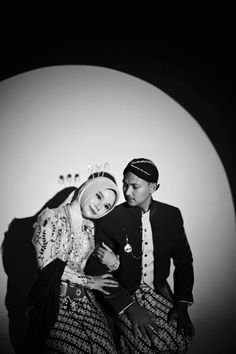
121 211
124 209
112 218
164 207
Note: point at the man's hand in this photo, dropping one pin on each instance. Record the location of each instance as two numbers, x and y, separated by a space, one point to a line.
105 255
142 320
180 313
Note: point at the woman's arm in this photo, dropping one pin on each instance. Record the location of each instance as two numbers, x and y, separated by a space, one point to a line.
47 245
45 237
89 282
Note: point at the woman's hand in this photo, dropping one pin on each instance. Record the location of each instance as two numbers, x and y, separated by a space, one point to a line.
71 276
106 256
98 282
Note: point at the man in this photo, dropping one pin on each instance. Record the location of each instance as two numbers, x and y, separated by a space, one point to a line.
147 235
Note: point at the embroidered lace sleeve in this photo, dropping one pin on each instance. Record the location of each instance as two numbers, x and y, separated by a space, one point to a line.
45 237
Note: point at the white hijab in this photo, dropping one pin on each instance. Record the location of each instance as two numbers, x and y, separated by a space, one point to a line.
91 187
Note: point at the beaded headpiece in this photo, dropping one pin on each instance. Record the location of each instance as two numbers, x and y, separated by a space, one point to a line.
143 168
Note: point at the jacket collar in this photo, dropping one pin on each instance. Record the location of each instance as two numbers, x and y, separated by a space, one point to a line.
138 211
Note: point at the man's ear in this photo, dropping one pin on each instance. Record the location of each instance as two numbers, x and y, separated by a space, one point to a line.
154 187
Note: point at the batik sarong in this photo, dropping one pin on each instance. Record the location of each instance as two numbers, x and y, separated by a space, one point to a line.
165 341
81 327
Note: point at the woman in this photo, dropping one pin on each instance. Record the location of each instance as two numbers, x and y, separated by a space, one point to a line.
65 316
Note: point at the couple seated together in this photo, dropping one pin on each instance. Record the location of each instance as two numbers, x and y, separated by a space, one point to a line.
102 275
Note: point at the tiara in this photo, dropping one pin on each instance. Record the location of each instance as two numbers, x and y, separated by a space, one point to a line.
73 180
98 169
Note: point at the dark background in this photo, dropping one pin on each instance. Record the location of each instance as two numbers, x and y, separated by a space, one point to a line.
198 71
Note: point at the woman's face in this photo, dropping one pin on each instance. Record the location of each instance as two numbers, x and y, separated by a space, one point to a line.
98 204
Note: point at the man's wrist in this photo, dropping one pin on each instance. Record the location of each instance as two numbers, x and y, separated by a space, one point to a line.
114 266
126 308
182 305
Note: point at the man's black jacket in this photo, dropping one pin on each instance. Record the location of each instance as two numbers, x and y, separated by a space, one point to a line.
169 241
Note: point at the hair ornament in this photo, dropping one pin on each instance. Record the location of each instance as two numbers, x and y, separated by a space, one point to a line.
98 169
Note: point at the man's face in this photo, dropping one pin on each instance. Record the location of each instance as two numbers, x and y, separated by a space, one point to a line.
137 192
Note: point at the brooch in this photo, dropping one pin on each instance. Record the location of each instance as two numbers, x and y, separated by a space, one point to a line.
128 248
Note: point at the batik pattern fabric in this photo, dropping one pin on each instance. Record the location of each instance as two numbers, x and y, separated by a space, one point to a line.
165 341
81 327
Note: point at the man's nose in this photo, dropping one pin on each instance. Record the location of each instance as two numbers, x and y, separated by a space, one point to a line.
128 191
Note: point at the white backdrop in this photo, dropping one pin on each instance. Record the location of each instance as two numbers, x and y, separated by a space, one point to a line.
58 120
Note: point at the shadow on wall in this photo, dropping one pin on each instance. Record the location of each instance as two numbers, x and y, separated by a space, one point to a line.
20 265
